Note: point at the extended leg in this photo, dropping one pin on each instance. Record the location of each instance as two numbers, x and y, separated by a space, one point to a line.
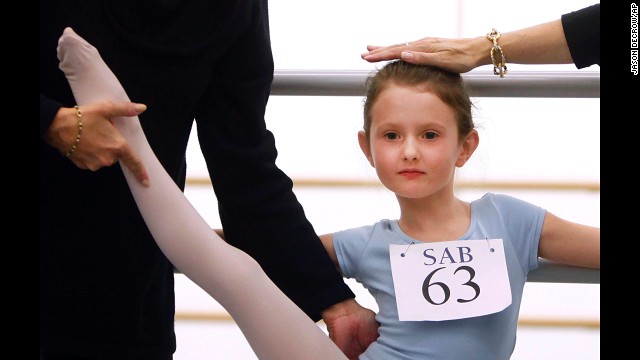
274 326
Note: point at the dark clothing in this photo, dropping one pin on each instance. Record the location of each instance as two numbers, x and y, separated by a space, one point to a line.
582 31
106 289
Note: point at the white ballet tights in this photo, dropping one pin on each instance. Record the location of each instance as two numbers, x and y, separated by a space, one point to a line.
274 326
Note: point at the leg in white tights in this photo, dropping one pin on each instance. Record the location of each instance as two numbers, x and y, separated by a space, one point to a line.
274 326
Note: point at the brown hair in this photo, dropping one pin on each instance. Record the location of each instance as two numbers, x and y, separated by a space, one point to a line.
447 86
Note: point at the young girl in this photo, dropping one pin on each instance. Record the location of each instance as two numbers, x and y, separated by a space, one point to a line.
448 275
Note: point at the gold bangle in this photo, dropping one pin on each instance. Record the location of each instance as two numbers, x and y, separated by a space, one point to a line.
499 68
75 144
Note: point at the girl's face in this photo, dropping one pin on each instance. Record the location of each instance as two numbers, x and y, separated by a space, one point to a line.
414 143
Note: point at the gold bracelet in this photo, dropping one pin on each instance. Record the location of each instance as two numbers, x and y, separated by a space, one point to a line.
75 144
501 67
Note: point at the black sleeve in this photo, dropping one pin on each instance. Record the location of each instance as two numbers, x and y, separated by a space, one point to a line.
582 31
48 110
259 211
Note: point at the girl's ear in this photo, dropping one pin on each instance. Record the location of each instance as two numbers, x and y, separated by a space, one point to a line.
469 145
365 147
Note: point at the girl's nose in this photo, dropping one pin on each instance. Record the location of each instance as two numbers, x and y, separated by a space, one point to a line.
410 151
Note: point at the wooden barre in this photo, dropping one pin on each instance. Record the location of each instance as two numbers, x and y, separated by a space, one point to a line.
525 185
529 322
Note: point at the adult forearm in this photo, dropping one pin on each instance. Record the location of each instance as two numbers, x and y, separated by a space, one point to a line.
540 44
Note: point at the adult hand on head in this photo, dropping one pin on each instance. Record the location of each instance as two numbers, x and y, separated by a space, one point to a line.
455 55
351 326
101 144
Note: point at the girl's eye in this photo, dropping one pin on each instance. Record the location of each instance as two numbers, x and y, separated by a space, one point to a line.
430 135
391 135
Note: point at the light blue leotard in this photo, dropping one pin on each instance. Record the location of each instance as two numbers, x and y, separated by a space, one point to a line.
363 254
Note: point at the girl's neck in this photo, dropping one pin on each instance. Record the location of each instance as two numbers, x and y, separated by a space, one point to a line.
441 219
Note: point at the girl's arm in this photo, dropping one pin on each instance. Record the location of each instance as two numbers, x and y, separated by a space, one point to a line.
327 242
569 243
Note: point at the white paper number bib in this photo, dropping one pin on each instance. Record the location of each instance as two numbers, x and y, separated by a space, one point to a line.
450 280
